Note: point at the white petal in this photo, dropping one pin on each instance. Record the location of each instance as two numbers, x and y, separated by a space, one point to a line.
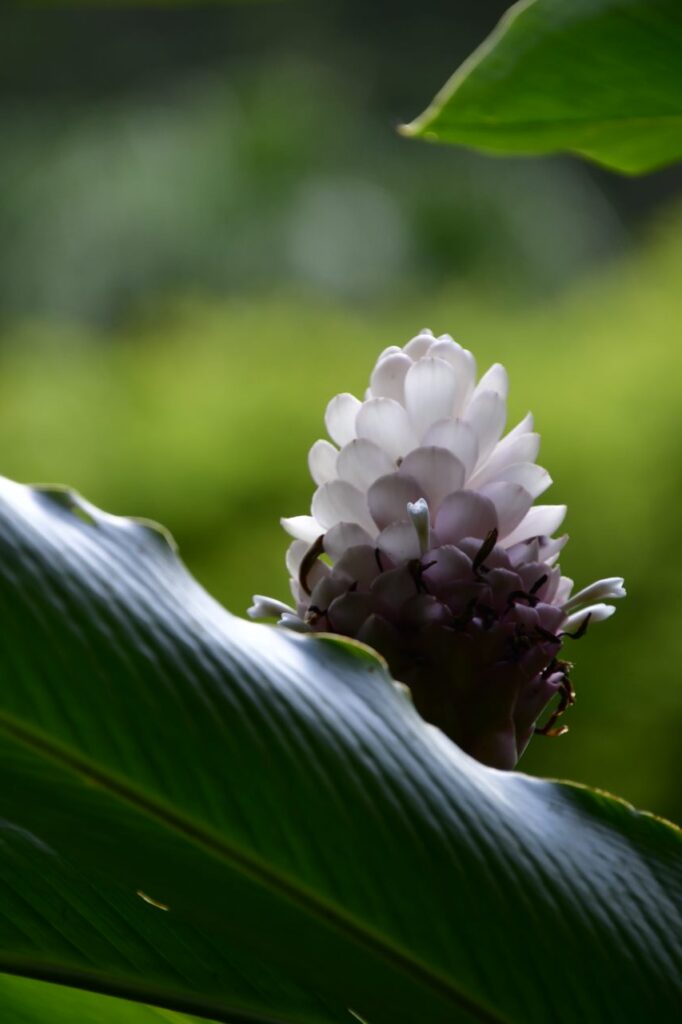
550 548
464 365
465 514
430 389
494 379
322 462
303 528
268 608
541 521
420 344
521 448
458 437
599 591
436 471
512 503
294 557
362 462
563 590
388 497
486 414
297 592
530 476
399 542
294 623
525 426
537 549
389 375
296 552
386 422
340 502
597 613
391 350
518 447
445 348
340 418
526 551
344 536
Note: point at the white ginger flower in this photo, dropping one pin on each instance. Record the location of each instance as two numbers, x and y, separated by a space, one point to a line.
424 542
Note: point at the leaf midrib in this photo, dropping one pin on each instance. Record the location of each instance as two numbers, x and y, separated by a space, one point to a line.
245 862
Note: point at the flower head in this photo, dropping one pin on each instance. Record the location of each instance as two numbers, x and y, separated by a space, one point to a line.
424 542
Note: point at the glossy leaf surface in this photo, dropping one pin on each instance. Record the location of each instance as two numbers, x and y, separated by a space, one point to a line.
24 1001
599 78
229 820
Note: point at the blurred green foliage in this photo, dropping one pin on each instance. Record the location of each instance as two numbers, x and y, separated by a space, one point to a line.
236 183
200 413
250 148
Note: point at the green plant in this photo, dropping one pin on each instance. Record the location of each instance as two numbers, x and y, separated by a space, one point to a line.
251 825
206 817
600 78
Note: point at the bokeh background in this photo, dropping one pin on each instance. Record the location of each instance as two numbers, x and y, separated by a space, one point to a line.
209 226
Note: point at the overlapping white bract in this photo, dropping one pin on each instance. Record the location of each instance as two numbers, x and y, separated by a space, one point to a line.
424 509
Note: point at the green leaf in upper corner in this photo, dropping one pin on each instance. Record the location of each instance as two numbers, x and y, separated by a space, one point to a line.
598 78
255 827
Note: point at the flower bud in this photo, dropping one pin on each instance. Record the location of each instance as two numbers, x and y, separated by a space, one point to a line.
425 543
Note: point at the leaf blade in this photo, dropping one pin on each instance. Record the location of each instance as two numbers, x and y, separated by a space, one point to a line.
597 78
28 1002
260 783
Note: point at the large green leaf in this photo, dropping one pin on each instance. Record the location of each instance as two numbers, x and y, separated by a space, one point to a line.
601 78
24 1001
241 823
